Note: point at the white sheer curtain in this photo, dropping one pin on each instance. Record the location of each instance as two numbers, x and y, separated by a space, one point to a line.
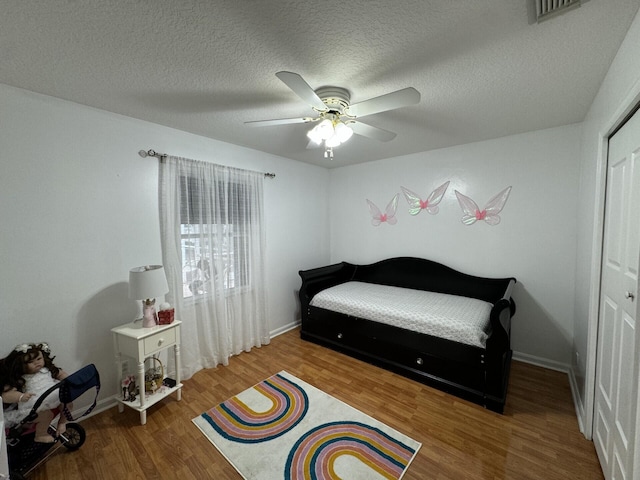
211 220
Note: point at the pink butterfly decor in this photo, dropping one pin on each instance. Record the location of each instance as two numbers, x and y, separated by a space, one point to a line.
416 204
489 213
389 214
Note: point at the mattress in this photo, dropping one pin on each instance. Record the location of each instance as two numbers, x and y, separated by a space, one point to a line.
460 319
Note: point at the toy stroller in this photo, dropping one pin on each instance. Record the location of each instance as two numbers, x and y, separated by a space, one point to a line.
25 455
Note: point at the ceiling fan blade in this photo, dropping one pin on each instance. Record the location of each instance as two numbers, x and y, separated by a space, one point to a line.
390 101
301 88
281 121
369 131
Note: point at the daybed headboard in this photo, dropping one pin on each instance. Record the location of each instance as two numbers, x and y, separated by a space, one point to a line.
407 272
423 274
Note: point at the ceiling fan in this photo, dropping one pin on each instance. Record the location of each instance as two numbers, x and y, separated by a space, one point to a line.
336 118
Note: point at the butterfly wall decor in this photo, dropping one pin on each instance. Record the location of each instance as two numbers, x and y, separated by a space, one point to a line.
416 204
489 213
389 215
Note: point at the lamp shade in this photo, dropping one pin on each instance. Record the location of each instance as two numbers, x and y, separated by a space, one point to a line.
148 281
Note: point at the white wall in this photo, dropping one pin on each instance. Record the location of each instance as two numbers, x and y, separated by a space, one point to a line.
79 208
619 92
535 242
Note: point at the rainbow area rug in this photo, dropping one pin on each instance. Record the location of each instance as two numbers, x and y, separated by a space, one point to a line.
284 428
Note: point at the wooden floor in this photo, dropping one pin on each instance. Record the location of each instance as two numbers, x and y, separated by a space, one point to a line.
536 438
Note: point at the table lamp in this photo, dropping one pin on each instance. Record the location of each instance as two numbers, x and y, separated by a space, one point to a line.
146 283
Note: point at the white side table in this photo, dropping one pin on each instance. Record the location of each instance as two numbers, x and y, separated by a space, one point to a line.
135 341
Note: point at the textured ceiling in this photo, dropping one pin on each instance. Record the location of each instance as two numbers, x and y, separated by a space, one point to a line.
484 68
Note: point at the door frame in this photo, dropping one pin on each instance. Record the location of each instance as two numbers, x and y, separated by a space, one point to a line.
628 106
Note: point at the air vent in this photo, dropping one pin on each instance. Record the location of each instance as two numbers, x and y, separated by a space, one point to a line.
550 8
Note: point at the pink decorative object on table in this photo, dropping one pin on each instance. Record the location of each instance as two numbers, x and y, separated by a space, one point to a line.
166 314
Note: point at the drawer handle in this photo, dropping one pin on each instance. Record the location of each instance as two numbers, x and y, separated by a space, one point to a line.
160 341
340 336
419 361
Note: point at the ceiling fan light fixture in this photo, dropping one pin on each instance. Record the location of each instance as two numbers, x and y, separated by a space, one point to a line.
325 129
343 132
314 136
331 130
332 141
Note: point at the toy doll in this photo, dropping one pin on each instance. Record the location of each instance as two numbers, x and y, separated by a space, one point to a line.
26 373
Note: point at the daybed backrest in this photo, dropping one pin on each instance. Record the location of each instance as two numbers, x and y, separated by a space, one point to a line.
422 274
317 279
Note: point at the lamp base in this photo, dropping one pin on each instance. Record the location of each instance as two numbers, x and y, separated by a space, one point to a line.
149 316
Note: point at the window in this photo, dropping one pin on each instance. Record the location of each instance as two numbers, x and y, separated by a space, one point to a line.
215 222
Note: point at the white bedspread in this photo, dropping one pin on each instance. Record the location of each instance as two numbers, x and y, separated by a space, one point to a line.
461 319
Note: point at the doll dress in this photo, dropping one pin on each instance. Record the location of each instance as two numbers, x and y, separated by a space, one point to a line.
11 415
37 383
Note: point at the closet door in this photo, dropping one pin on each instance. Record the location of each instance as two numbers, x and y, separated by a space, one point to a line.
616 395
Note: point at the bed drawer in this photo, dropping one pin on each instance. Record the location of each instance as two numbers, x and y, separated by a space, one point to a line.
421 355
472 376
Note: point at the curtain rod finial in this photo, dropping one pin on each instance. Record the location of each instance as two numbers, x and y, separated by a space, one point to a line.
143 154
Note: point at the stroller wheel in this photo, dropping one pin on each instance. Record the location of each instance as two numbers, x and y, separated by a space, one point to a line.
74 436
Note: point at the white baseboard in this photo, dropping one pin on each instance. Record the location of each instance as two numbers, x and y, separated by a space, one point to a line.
284 329
541 362
560 367
577 402
101 406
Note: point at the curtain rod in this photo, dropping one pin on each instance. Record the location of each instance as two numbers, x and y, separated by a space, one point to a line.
153 153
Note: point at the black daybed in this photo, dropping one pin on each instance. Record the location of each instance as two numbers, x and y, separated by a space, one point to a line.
478 372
